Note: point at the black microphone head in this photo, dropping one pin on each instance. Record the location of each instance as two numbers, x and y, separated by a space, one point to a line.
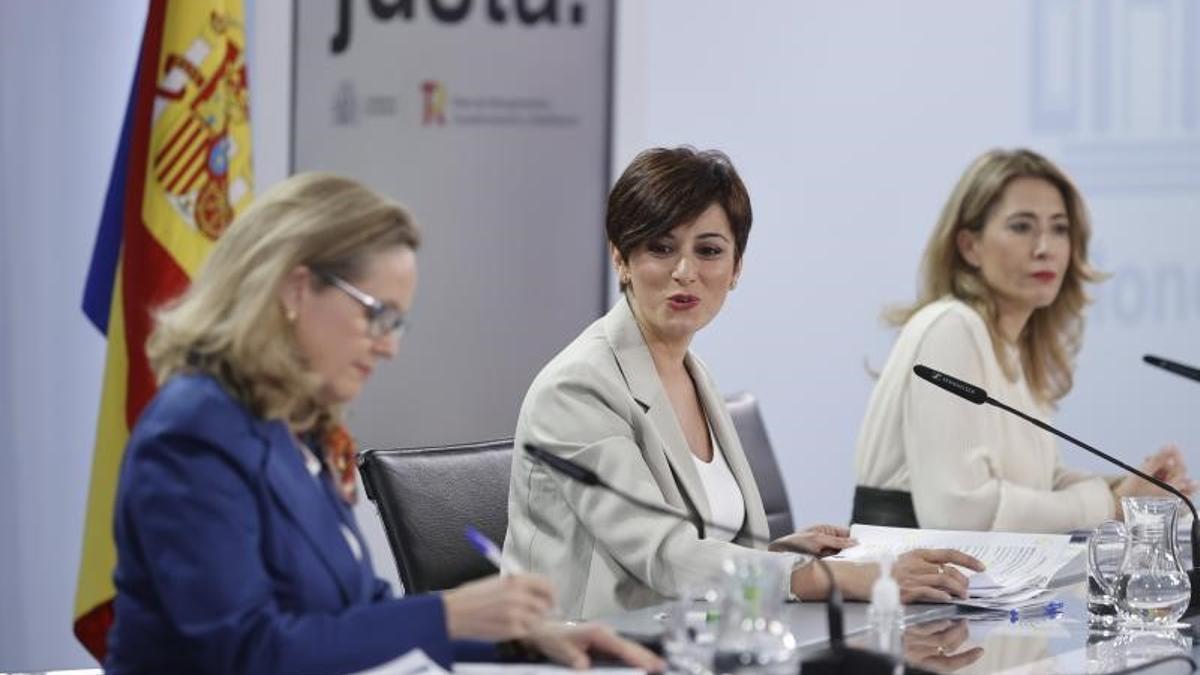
1179 369
564 466
953 385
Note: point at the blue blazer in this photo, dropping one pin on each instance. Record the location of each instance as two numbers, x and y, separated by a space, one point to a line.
231 557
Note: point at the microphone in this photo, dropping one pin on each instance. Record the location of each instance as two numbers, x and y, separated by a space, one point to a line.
979 396
1174 366
582 474
837 659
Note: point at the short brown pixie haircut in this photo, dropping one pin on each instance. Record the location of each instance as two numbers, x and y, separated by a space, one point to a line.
663 188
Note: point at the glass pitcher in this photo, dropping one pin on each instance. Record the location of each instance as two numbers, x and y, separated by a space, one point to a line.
1150 586
754 636
689 636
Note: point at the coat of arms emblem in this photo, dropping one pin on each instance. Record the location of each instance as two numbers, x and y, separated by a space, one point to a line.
202 98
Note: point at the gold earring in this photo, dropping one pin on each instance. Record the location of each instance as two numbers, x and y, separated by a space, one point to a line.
290 315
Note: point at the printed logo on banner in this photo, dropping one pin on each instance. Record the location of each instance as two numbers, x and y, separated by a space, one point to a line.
345 105
433 103
1118 81
347 108
438 109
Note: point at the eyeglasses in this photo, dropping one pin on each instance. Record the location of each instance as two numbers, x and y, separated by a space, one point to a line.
382 319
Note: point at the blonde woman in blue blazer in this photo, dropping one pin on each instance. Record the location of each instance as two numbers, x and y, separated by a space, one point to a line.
235 551
629 400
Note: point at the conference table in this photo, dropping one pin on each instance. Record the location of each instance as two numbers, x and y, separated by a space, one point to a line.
949 639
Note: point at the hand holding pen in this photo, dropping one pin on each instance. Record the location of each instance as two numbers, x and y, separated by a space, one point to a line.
497 608
563 642
490 551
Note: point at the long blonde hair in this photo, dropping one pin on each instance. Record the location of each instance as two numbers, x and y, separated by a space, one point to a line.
1052 337
230 322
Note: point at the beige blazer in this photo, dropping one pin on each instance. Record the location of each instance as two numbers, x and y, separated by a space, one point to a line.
600 403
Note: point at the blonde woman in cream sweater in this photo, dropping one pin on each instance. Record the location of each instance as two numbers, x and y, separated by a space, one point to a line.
1001 305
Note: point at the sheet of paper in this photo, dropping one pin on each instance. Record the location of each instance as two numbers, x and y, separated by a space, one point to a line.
1017 563
415 662
1028 598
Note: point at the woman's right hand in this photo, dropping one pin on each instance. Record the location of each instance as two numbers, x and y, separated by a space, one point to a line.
570 645
818 540
928 574
923 575
498 608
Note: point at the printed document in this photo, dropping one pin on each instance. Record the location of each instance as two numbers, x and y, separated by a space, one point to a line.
1019 565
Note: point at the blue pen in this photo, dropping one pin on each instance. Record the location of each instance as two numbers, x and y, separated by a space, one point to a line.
1050 610
488 549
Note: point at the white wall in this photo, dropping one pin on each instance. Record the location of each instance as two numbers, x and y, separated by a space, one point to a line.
269 34
65 72
850 123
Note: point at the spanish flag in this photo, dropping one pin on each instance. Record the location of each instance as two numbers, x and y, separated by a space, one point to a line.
181 174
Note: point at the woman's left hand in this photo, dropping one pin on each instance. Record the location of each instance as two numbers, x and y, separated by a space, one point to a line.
929 575
1166 465
818 540
570 644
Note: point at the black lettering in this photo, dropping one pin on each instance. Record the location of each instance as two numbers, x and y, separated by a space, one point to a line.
341 39
452 14
384 10
496 12
529 17
527 13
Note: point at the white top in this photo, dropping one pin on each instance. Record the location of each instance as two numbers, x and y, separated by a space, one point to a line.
724 496
968 467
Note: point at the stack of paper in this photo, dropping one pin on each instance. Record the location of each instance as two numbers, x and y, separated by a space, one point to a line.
1019 565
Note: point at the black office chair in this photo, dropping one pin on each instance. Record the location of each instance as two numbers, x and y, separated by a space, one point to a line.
743 408
427 497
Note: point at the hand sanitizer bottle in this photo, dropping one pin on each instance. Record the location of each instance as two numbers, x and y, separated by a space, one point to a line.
886 614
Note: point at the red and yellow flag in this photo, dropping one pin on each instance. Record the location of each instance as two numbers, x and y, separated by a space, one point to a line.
181 174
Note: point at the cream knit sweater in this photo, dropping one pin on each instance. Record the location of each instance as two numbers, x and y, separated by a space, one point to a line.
968 467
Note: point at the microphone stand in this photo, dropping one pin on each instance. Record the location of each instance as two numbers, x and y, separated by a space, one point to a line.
978 396
837 659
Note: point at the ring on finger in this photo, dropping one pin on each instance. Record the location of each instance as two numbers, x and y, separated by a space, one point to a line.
941 569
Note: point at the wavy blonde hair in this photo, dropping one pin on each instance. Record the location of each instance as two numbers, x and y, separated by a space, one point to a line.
231 324
1052 337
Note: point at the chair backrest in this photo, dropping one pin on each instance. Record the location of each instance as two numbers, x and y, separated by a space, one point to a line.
743 408
427 497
